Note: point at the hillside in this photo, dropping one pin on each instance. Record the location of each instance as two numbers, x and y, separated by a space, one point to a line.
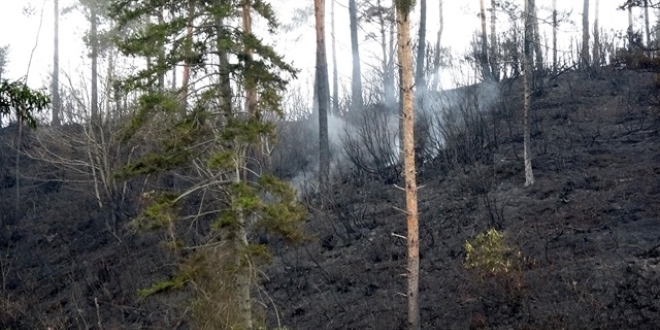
587 231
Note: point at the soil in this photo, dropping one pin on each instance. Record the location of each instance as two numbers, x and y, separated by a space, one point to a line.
587 233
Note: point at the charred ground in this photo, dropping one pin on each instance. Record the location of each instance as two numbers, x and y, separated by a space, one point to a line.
587 231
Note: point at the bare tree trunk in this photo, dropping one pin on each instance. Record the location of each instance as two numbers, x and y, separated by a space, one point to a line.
335 74
185 80
356 97
421 50
55 88
527 58
244 272
223 61
630 29
161 55
646 23
516 52
405 62
95 57
386 64
585 35
108 82
323 93
436 59
484 43
596 47
494 58
554 36
537 36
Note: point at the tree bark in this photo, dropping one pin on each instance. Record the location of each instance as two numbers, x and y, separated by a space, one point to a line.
161 55
55 88
244 272
646 23
585 35
554 36
356 97
421 49
95 57
536 35
436 59
484 43
405 62
527 58
494 58
323 92
185 79
335 74
596 47
223 61
630 29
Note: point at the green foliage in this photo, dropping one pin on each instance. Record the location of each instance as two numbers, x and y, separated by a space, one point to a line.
489 254
23 101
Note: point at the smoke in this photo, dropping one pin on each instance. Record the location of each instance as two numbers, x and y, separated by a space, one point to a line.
368 140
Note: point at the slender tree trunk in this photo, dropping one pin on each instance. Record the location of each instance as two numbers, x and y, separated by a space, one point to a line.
323 93
244 271
185 79
596 47
95 57
554 36
386 64
55 88
161 55
223 61
484 43
421 50
585 35
436 59
630 29
108 83
494 58
516 52
527 58
405 62
357 100
335 74
537 36
646 23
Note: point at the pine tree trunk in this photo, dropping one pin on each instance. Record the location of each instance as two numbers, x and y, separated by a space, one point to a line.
630 29
405 62
223 62
537 36
335 74
554 37
436 59
596 47
244 273
323 92
484 43
646 23
527 58
95 57
356 97
421 50
516 52
55 88
585 35
388 75
494 58
161 55
185 79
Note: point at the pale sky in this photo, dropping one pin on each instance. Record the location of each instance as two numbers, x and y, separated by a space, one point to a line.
298 46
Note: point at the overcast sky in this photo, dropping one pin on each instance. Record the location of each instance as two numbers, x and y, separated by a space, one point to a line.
461 20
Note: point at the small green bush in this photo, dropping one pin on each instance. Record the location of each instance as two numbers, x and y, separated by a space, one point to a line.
489 254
